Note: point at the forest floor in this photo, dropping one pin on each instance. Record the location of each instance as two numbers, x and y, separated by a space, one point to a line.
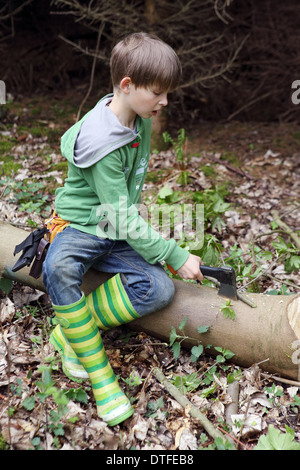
253 170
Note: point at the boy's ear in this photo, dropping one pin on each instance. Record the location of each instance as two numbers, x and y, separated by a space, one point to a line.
125 84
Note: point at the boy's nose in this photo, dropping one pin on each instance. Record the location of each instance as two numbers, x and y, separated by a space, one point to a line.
164 100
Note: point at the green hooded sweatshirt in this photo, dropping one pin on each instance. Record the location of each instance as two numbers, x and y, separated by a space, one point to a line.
107 165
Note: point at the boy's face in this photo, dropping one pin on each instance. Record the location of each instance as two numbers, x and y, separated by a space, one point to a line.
146 102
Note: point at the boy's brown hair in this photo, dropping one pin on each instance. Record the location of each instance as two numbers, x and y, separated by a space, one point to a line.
147 60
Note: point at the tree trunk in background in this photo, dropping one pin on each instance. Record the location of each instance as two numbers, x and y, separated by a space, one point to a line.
270 332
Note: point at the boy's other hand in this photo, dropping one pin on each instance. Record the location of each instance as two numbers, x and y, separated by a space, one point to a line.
191 268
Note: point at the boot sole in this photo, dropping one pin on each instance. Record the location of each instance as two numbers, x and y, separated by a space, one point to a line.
122 417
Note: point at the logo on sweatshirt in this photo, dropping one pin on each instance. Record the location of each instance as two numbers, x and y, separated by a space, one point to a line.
140 171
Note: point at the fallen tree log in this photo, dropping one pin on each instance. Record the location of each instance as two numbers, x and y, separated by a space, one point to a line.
268 334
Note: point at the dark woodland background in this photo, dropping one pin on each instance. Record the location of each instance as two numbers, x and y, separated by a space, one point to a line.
239 57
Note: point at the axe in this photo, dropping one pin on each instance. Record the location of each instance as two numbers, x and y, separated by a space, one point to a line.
226 277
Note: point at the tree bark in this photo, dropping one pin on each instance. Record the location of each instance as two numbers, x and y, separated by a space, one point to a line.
270 332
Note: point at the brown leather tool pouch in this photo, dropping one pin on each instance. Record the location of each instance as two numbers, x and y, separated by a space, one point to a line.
37 265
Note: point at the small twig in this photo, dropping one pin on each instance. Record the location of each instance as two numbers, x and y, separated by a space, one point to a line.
80 49
232 437
185 403
92 72
283 281
15 11
270 233
297 206
263 273
246 300
249 104
281 379
146 381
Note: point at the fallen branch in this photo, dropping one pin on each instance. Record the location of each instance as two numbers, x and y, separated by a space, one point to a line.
230 167
186 404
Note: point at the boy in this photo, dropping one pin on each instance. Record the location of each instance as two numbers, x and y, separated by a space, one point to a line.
108 153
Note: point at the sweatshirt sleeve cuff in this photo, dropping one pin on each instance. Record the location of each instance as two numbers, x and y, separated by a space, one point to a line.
177 258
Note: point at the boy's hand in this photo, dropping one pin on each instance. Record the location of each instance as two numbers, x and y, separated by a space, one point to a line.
191 268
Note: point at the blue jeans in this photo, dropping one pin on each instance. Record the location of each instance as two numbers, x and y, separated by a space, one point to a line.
73 252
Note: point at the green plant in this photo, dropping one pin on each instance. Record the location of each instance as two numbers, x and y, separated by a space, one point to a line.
295 405
48 390
176 340
274 392
179 147
190 382
215 206
218 444
275 440
224 355
254 269
153 406
291 254
77 394
186 383
133 380
26 194
227 310
3 444
236 259
178 144
284 290
16 388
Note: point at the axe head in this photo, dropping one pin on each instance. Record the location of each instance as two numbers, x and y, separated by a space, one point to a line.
226 277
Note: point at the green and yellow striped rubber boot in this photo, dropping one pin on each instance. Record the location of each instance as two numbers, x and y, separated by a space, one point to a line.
82 334
70 363
110 307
